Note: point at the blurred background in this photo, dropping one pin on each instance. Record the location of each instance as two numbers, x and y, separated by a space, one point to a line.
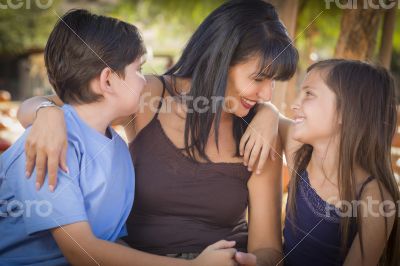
365 29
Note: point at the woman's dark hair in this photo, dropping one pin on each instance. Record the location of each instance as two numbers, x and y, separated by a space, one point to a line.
231 34
81 45
365 100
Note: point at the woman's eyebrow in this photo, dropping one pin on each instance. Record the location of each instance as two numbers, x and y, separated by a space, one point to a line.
307 87
259 75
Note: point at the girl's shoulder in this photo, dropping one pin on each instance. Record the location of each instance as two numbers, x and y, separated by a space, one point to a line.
371 188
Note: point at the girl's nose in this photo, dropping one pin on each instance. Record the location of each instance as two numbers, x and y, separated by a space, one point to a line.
295 106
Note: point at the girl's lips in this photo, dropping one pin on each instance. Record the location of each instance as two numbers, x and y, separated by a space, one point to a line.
246 103
298 120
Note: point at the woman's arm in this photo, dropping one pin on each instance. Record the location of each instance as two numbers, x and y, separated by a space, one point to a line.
289 144
260 139
46 144
373 226
27 111
265 207
81 247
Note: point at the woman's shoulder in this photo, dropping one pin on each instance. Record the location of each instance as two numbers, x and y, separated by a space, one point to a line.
154 87
150 98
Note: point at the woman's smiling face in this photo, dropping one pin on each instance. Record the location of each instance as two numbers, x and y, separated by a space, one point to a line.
315 110
246 86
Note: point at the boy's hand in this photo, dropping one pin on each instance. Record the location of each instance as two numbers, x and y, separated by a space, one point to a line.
260 138
221 253
246 259
46 146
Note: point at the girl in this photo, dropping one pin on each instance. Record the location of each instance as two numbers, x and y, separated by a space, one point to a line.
343 199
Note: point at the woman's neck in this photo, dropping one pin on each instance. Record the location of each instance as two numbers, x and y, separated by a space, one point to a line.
180 85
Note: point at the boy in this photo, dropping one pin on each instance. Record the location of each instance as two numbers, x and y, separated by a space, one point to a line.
93 63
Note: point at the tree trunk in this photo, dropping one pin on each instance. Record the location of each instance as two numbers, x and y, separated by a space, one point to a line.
287 11
358 33
385 52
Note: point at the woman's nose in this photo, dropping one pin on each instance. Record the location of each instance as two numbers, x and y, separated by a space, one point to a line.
265 94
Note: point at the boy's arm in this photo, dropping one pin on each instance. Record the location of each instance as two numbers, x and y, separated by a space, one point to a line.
81 247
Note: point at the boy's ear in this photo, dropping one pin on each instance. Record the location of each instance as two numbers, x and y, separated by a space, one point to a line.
106 79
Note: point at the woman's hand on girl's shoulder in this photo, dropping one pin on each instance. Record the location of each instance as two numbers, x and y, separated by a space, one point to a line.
259 142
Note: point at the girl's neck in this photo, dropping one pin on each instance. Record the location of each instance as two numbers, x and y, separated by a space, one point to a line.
325 160
324 163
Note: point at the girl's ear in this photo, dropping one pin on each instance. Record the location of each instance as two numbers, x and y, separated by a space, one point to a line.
106 77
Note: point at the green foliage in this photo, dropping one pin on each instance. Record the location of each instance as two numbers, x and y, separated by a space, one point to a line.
315 31
24 29
165 24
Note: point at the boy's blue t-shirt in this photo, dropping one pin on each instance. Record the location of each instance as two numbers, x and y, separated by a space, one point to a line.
99 189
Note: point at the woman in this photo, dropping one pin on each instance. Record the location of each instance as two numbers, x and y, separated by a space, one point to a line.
192 187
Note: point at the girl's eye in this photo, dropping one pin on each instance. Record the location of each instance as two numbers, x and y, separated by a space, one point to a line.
258 80
308 93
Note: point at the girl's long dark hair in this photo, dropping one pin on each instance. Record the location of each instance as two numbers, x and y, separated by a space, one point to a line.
234 32
366 101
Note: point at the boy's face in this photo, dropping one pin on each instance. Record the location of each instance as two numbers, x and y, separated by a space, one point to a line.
129 89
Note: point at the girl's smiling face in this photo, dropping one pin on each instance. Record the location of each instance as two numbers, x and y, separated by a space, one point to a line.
316 118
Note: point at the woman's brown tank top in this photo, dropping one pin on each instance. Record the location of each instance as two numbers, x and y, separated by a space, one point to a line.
181 205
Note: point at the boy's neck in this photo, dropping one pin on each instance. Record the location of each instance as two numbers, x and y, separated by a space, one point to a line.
96 115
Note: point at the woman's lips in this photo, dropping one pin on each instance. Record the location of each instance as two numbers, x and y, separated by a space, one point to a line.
247 103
